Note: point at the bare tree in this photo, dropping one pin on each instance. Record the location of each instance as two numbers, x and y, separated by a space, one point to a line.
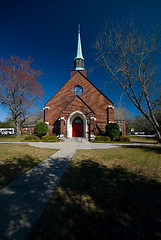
19 89
127 55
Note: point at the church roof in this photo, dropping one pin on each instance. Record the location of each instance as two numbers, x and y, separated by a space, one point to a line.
93 86
32 120
88 81
118 114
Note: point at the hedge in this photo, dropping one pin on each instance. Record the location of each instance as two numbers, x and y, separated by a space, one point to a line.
123 139
112 130
50 138
41 129
102 139
32 138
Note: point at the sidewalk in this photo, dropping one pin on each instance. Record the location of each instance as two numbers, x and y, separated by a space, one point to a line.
23 200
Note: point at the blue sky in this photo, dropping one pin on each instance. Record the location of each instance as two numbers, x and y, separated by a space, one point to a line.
46 30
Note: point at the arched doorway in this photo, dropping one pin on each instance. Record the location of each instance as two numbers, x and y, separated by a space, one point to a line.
71 117
77 127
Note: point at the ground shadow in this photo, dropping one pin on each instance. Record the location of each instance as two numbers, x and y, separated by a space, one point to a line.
98 203
145 148
13 168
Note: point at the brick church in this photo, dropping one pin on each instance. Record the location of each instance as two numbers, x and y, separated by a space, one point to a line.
78 109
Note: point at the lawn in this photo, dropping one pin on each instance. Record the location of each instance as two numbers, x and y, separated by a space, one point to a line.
133 139
12 138
15 159
106 194
136 139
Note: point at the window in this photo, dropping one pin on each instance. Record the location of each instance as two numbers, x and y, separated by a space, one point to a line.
77 90
77 120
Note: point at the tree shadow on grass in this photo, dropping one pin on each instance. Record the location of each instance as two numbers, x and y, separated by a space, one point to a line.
154 148
13 168
98 203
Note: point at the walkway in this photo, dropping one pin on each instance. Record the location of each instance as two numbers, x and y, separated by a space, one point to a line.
73 144
23 200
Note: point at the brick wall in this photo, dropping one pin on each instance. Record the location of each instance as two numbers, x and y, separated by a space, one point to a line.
91 103
27 130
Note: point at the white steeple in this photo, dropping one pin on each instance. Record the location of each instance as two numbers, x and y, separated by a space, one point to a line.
79 60
79 46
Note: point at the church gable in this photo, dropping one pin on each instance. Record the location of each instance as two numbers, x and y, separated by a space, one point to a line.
77 104
78 99
90 95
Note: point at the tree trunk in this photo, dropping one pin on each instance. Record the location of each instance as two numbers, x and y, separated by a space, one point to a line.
18 130
155 126
158 134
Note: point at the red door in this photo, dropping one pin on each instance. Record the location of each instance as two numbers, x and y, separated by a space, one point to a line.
77 127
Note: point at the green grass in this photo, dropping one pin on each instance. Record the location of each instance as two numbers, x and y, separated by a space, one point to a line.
106 194
16 159
12 138
136 139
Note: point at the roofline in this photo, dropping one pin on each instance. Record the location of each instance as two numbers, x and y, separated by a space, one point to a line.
87 80
95 87
81 100
86 105
68 104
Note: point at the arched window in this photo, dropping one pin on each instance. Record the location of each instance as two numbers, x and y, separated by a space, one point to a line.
77 90
77 120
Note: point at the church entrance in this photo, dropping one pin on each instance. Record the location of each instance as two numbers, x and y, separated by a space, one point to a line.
77 127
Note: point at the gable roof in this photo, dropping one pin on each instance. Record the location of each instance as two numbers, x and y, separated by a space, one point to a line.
82 102
118 114
32 120
87 80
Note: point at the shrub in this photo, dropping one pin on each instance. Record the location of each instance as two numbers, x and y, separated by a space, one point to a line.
102 139
112 130
50 138
32 138
41 129
123 139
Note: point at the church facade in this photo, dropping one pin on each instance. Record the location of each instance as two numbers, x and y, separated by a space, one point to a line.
78 109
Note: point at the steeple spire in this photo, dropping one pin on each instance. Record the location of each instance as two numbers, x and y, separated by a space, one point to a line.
79 60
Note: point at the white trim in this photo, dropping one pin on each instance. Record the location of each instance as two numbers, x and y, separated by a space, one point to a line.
110 106
61 136
47 123
62 118
93 118
111 122
46 108
92 136
70 120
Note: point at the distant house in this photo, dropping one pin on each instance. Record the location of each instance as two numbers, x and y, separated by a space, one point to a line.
120 120
30 122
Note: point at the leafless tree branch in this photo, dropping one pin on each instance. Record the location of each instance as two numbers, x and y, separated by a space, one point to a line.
127 55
